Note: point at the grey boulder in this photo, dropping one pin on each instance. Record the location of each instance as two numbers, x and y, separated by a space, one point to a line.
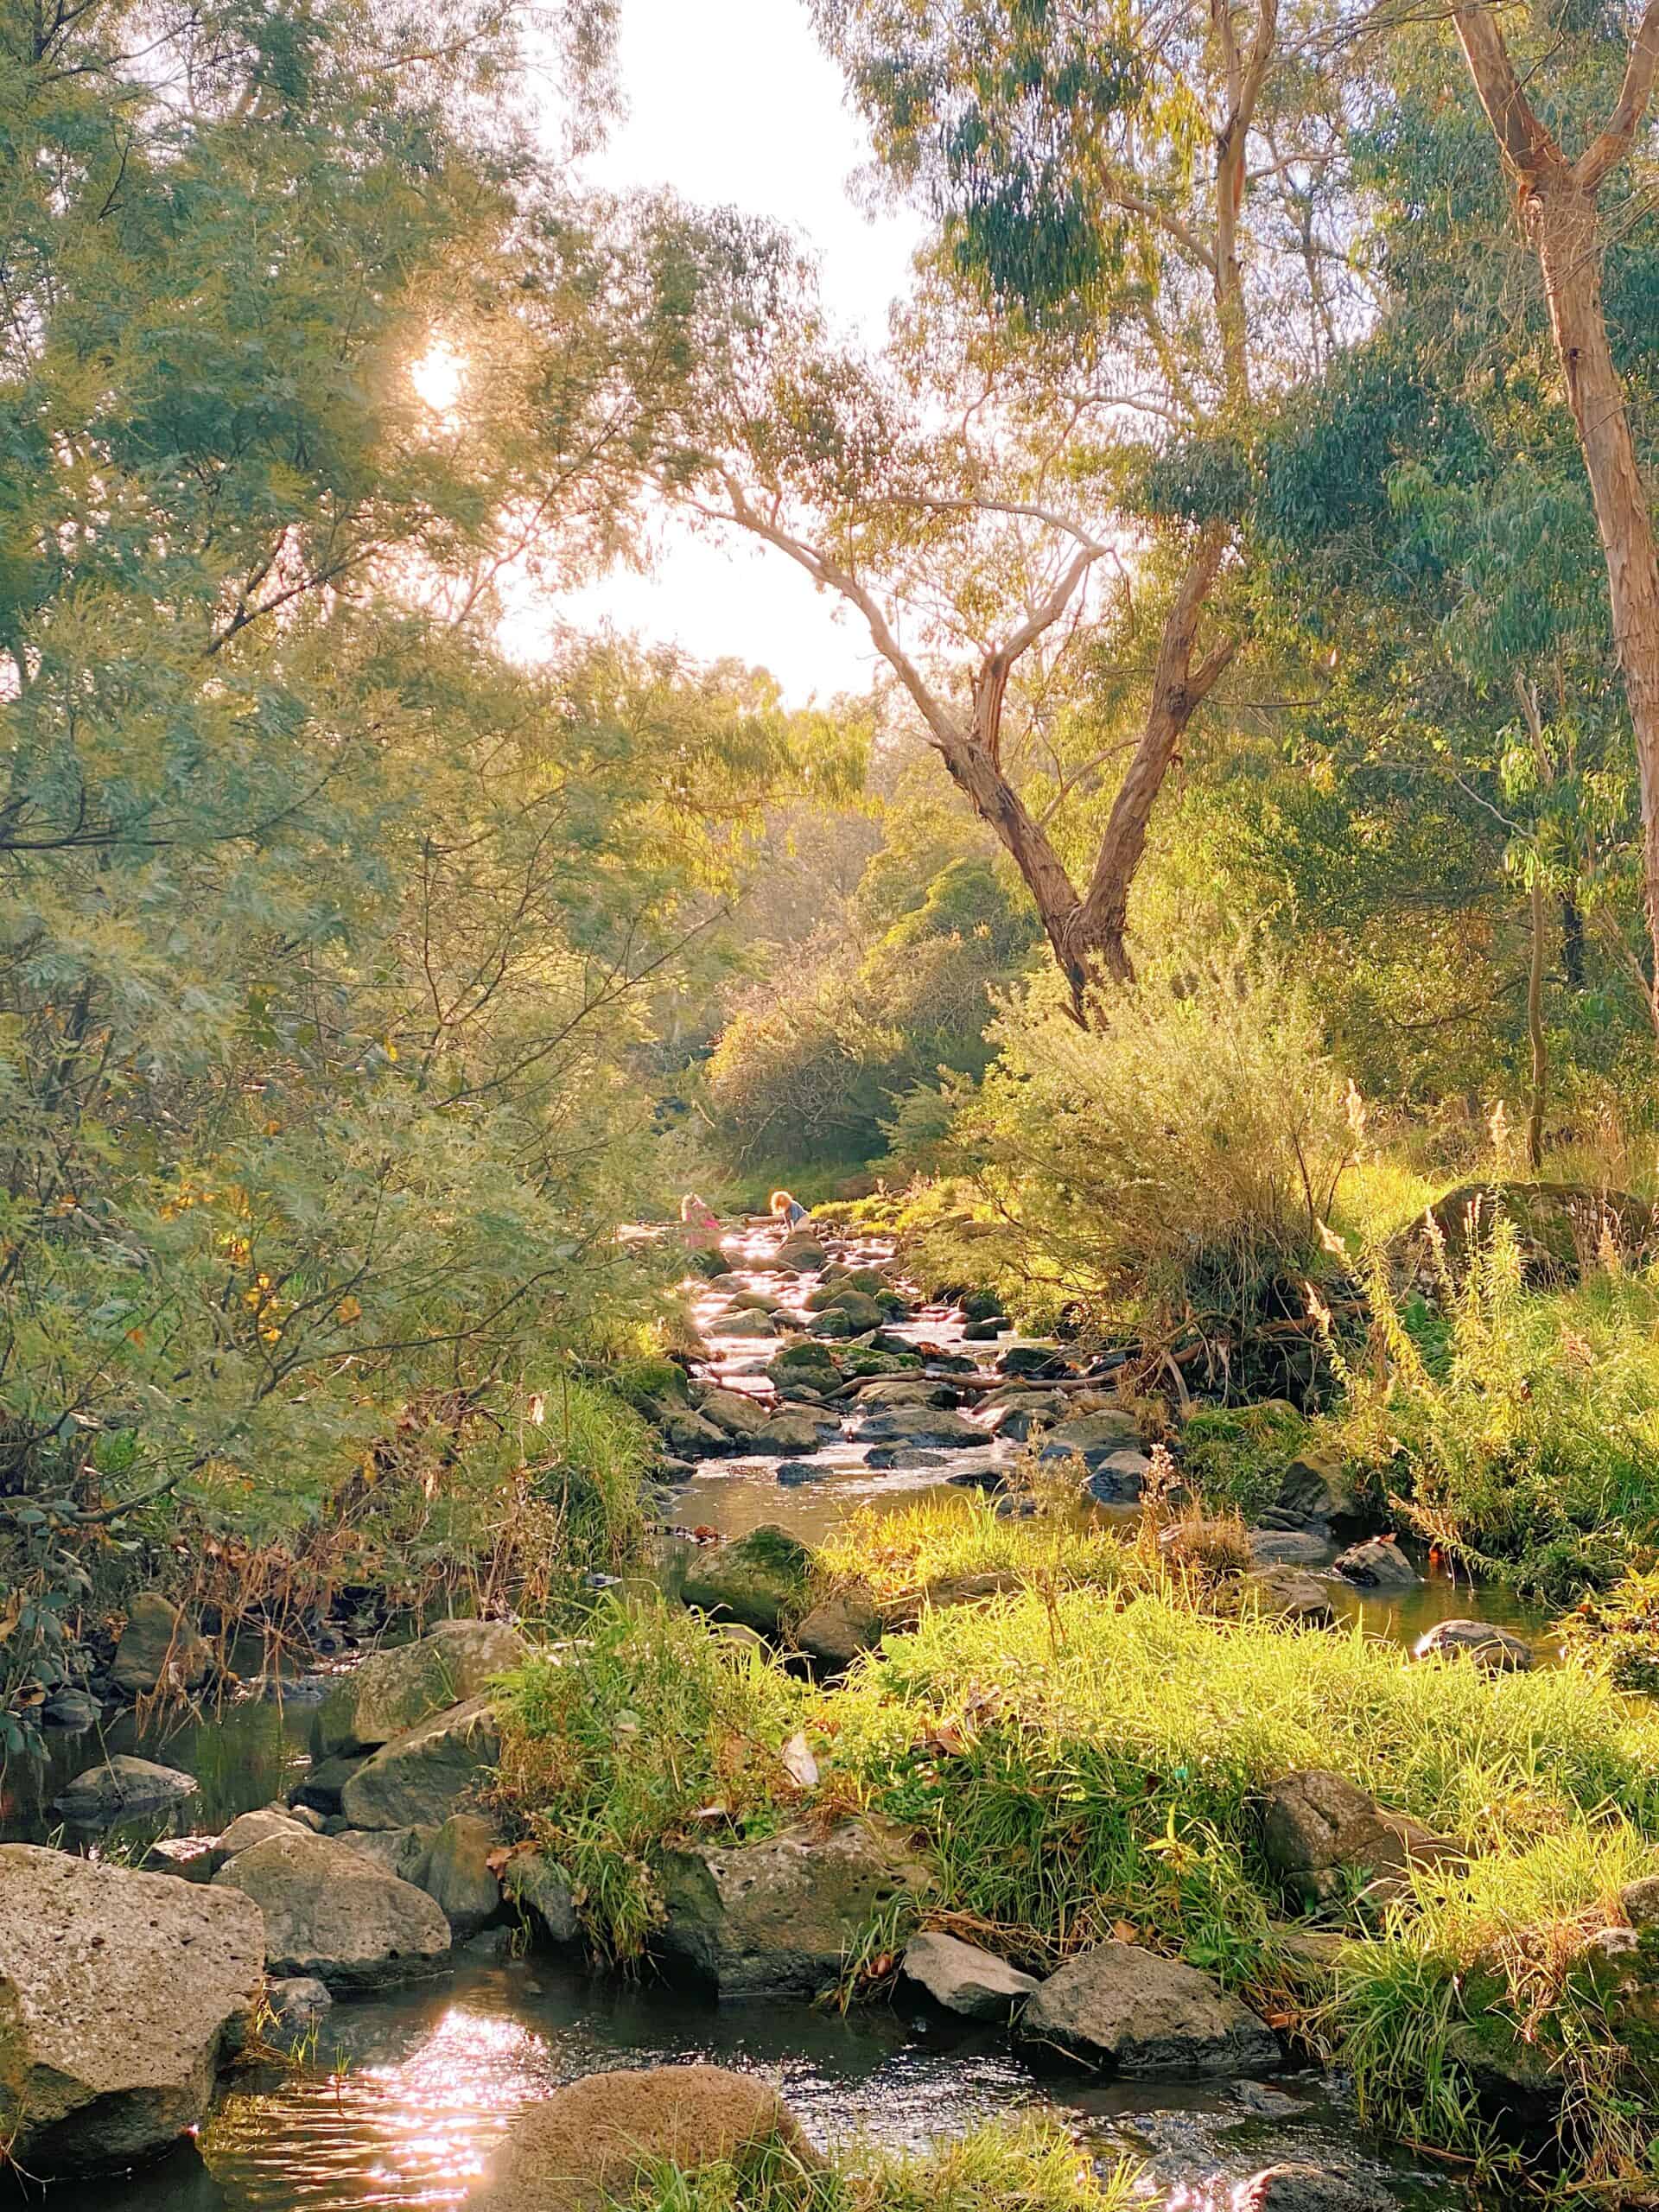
1487 1646
1377 1564
458 1875
159 1649
331 1916
120 1995
776 1918
393 1690
1328 1839
123 1789
965 1979
1122 2007
421 1776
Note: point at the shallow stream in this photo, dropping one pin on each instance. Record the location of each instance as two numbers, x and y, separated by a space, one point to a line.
412 2089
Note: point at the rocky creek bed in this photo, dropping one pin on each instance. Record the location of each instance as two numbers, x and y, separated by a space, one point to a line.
331 1840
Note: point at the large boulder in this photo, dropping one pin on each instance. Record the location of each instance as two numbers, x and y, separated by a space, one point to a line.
1489 1647
925 1425
1288 1593
459 1877
737 1416
584 2146
401 1853
906 1390
689 1436
248 1829
1377 1564
392 1690
1318 1486
1125 2008
1307 2188
424 1775
120 1994
760 1580
1094 1438
1560 1227
776 1918
332 1915
808 1362
123 1789
159 1649
794 1432
803 1254
744 1323
839 1626
965 1979
541 1890
1327 1839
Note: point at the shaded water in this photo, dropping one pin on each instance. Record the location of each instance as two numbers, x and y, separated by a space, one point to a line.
411 2089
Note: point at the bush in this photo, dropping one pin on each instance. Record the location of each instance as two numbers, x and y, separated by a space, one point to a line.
1520 1432
1239 1456
1177 1159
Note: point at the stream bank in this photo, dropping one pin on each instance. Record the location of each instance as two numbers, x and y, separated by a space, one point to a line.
433 2072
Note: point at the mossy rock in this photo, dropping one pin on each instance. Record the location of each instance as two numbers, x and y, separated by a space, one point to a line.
760 1580
809 1363
1239 1454
864 1360
1561 1228
648 1385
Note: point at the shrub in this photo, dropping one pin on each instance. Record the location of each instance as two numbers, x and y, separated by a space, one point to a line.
1239 1456
1176 1158
1520 1433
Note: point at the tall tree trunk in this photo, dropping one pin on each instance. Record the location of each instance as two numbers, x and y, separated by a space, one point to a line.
1100 924
1572 943
1563 220
1558 201
1540 1092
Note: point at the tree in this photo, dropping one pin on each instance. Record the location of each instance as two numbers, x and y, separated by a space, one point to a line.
1152 192
1558 199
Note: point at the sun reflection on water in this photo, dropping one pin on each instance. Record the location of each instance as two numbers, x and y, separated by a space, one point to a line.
416 2132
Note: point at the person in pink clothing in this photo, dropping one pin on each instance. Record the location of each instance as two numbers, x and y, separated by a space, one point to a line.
701 1226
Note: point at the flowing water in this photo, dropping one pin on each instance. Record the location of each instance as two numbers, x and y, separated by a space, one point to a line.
409 2091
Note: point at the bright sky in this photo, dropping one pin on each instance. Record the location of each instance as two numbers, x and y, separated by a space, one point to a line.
734 105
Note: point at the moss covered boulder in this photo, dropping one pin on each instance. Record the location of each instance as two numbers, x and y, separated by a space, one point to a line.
760 1579
392 1690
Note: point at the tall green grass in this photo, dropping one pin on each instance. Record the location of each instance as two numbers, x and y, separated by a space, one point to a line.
614 1746
1022 2166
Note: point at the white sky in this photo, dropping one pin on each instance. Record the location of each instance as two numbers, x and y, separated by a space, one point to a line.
732 103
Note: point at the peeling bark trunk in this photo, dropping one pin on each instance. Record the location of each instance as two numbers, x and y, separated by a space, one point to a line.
1561 217
1558 198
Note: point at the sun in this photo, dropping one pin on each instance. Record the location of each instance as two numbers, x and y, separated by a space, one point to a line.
438 376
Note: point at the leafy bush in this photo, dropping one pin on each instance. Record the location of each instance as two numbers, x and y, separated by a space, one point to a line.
1520 1433
1238 1455
1176 1158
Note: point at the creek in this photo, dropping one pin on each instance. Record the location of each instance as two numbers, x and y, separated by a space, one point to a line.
415 2087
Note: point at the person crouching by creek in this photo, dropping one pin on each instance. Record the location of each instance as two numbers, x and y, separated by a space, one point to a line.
700 1222
788 1209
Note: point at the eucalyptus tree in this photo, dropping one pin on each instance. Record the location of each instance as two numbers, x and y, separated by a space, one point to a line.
1588 78
1149 202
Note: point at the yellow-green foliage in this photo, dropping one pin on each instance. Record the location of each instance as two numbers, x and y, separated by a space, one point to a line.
940 1540
1520 1432
1029 2165
611 1746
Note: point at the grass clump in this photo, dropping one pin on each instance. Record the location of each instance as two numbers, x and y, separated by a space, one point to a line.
613 1751
1077 1761
1617 1634
1238 1456
900 1556
1024 2165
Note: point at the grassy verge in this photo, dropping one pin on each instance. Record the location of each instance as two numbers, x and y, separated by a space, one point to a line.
1019 2166
1088 1759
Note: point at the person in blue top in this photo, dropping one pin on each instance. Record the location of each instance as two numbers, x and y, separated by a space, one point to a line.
789 1209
